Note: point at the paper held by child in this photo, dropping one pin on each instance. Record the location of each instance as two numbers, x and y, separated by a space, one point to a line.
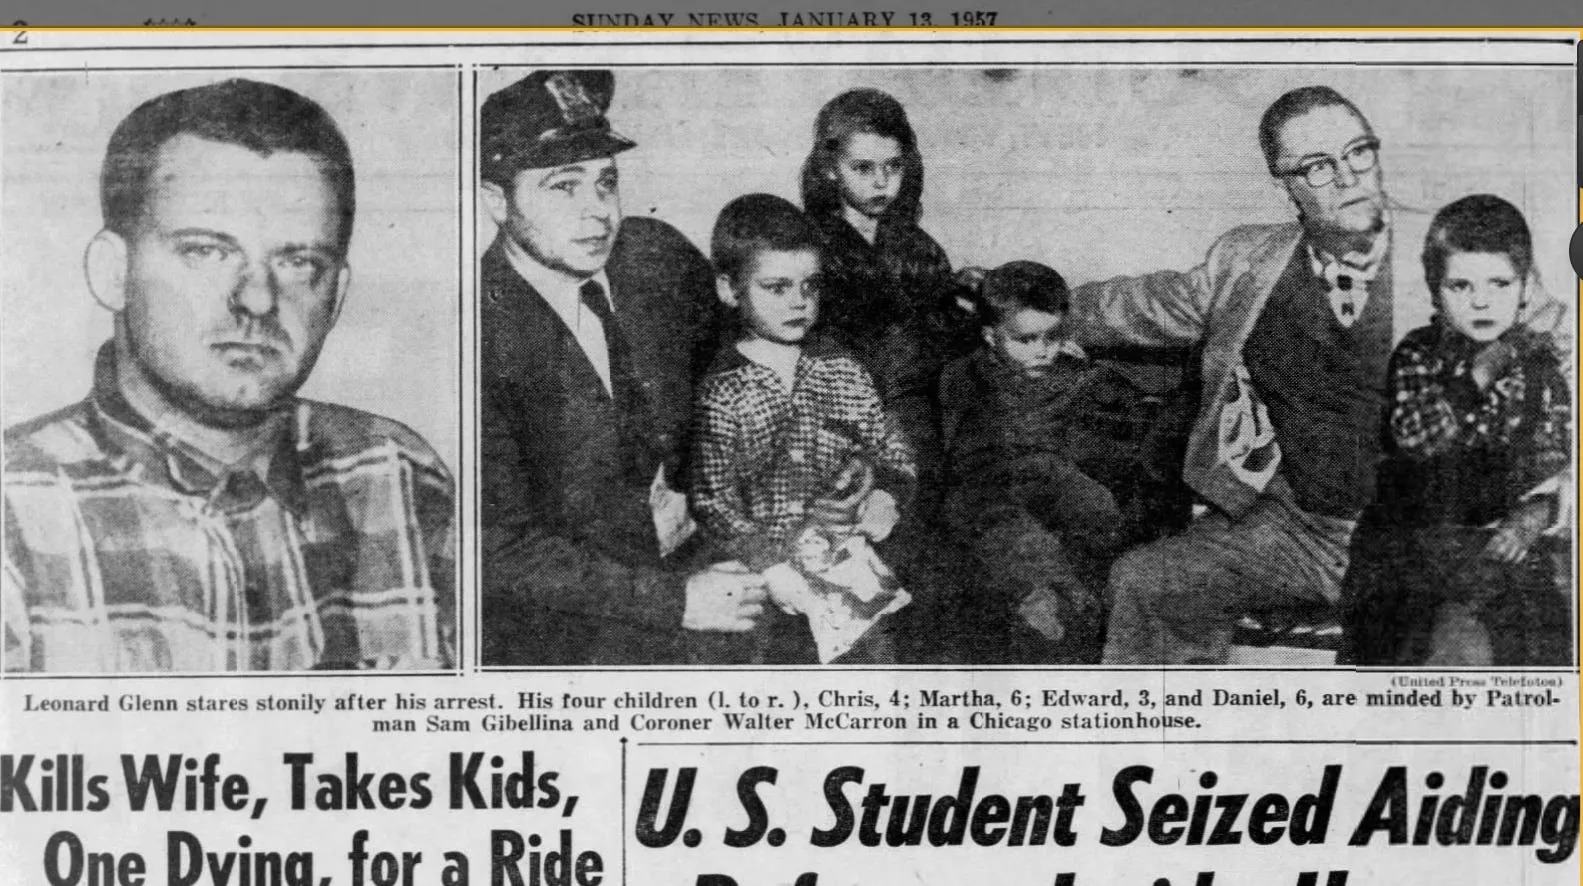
673 523
839 582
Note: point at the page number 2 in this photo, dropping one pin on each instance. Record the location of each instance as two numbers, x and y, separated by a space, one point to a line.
20 38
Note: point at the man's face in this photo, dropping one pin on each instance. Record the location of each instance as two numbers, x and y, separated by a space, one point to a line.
1481 294
234 276
868 169
565 218
1354 202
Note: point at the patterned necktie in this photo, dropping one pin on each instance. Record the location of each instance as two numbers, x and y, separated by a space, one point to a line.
1348 284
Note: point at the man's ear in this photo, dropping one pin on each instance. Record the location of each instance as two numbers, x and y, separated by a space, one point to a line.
1284 184
495 202
343 282
104 264
725 291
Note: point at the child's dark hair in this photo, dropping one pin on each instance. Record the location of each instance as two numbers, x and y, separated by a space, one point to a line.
852 112
757 223
1480 223
1018 286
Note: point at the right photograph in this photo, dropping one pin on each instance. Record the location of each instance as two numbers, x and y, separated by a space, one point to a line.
1081 366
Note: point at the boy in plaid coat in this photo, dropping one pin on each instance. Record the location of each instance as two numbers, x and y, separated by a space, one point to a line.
790 431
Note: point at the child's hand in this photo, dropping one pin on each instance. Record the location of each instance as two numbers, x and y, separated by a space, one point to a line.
878 515
1491 363
1518 532
1042 611
788 589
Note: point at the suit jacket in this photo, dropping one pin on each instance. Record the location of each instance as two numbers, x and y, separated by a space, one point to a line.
1217 304
571 568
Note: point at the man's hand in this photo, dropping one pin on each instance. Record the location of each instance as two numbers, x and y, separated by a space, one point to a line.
788 589
724 597
969 282
971 277
852 485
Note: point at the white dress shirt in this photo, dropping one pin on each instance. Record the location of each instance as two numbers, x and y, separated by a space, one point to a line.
564 295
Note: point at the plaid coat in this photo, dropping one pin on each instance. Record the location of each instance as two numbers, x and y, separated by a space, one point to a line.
1465 456
762 452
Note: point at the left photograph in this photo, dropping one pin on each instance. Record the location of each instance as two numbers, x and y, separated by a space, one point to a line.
230 370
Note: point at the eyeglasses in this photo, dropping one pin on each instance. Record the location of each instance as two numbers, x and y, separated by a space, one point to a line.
1360 158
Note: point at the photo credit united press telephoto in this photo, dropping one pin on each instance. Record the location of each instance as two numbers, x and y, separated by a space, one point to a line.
689 459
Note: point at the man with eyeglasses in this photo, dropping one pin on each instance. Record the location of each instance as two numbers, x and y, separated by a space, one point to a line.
1296 323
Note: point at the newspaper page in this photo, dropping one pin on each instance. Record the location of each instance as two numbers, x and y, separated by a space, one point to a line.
801 457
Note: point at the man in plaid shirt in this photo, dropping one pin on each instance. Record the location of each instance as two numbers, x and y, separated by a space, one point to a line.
192 514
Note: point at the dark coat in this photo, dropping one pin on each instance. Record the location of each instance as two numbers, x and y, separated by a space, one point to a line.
1050 445
893 303
571 566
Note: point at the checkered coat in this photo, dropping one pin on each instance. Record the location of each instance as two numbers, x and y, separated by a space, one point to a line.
761 453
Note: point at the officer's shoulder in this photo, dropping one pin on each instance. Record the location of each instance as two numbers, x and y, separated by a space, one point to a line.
643 235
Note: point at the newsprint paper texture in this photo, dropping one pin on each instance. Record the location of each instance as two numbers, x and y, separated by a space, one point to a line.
728 459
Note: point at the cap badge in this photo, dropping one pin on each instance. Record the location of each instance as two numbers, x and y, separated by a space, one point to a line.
577 106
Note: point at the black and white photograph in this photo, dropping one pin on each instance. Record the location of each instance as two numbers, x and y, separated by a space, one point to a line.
231 370
788 457
1087 365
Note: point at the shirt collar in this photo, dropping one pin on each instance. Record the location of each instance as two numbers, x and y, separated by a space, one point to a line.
559 289
817 346
157 455
1362 265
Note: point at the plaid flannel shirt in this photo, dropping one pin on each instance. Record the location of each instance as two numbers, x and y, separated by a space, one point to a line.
762 453
1436 406
125 552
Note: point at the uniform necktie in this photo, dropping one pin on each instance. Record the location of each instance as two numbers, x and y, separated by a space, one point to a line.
593 298
624 386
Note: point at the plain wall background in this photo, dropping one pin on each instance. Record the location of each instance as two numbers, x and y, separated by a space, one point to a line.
395 351
1096 170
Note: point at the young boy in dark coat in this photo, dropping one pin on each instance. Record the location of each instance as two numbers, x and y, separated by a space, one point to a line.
1042 482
